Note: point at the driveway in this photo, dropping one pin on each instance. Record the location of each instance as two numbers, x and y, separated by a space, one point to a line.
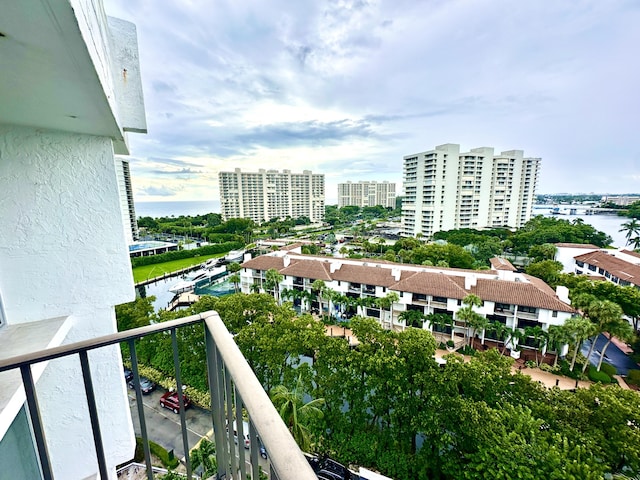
613 355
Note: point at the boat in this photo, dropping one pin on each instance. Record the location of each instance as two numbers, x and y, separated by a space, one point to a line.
571 210
198 278
234 256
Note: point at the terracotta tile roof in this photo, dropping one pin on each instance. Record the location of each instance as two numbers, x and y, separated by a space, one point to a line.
615 266
576 245
264 262
365 274
529 291
499 263
430 283
311 269
520 293
630 252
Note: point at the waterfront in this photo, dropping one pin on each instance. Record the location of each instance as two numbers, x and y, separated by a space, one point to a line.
160 290
607 223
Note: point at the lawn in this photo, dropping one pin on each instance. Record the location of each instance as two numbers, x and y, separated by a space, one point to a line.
150 271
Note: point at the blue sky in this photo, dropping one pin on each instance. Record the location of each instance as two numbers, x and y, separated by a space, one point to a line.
346 88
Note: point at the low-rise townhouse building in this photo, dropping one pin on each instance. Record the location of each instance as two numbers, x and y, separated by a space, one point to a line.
513 299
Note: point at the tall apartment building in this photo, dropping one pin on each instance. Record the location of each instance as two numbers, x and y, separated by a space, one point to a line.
445 189
127 206
367 194
268 194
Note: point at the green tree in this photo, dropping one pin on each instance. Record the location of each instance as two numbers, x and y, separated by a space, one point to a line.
272 280
578 329
546 270
412 318
603 314
618 328
546 251
632 232
295 412
204 457
235 280
468 315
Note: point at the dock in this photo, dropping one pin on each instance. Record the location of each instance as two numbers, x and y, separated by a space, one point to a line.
183 300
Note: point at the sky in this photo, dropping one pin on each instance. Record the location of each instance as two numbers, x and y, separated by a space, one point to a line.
349 87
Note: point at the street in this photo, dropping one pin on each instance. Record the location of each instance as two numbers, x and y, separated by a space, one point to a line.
163 426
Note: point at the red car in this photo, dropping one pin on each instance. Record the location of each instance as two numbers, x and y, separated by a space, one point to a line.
170 400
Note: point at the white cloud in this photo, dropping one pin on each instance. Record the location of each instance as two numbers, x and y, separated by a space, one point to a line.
347 88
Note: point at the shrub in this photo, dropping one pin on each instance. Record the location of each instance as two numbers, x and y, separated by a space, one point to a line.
156 450
596 376
531 364
608 369
450 343
633 377
545 367
442 346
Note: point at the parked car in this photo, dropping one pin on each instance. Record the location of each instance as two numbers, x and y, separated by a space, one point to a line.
245 433
128 375
171 401
146 385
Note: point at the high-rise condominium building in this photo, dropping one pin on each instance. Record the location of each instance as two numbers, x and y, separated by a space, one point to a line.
367 194
127 206
445 189
268 194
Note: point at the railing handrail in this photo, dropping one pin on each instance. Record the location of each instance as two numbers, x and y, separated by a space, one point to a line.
98 342
287 458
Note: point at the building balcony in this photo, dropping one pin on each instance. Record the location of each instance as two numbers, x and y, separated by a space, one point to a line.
233 389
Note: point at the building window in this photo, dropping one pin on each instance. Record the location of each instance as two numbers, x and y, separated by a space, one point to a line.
524 309
592 268
554 314
440 299
580 264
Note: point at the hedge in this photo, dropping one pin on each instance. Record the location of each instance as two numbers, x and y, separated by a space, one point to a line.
598 376
633 377
180 254
156 450
608 369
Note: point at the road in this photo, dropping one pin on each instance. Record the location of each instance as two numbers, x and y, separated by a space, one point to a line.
163 426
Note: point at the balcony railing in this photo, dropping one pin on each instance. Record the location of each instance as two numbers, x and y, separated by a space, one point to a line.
233 386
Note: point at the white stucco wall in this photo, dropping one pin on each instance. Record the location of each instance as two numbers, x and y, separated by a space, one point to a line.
63 253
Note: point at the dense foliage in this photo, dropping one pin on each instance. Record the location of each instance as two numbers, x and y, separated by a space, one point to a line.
388 405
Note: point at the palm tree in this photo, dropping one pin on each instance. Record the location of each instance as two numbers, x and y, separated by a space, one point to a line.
578 329
467 314
558 337
205 456
632 231
255 288
295 413
539 337
501 331
603 314
477 323
412 318
318 287
619 328
386 303
272 281
235 279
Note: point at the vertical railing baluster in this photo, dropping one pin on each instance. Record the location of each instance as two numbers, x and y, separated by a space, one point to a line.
140 406
240 425
36 421
183 419
253 454
229 398
93 414
217 419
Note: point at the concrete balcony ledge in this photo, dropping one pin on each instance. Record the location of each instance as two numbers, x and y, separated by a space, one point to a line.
18 340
